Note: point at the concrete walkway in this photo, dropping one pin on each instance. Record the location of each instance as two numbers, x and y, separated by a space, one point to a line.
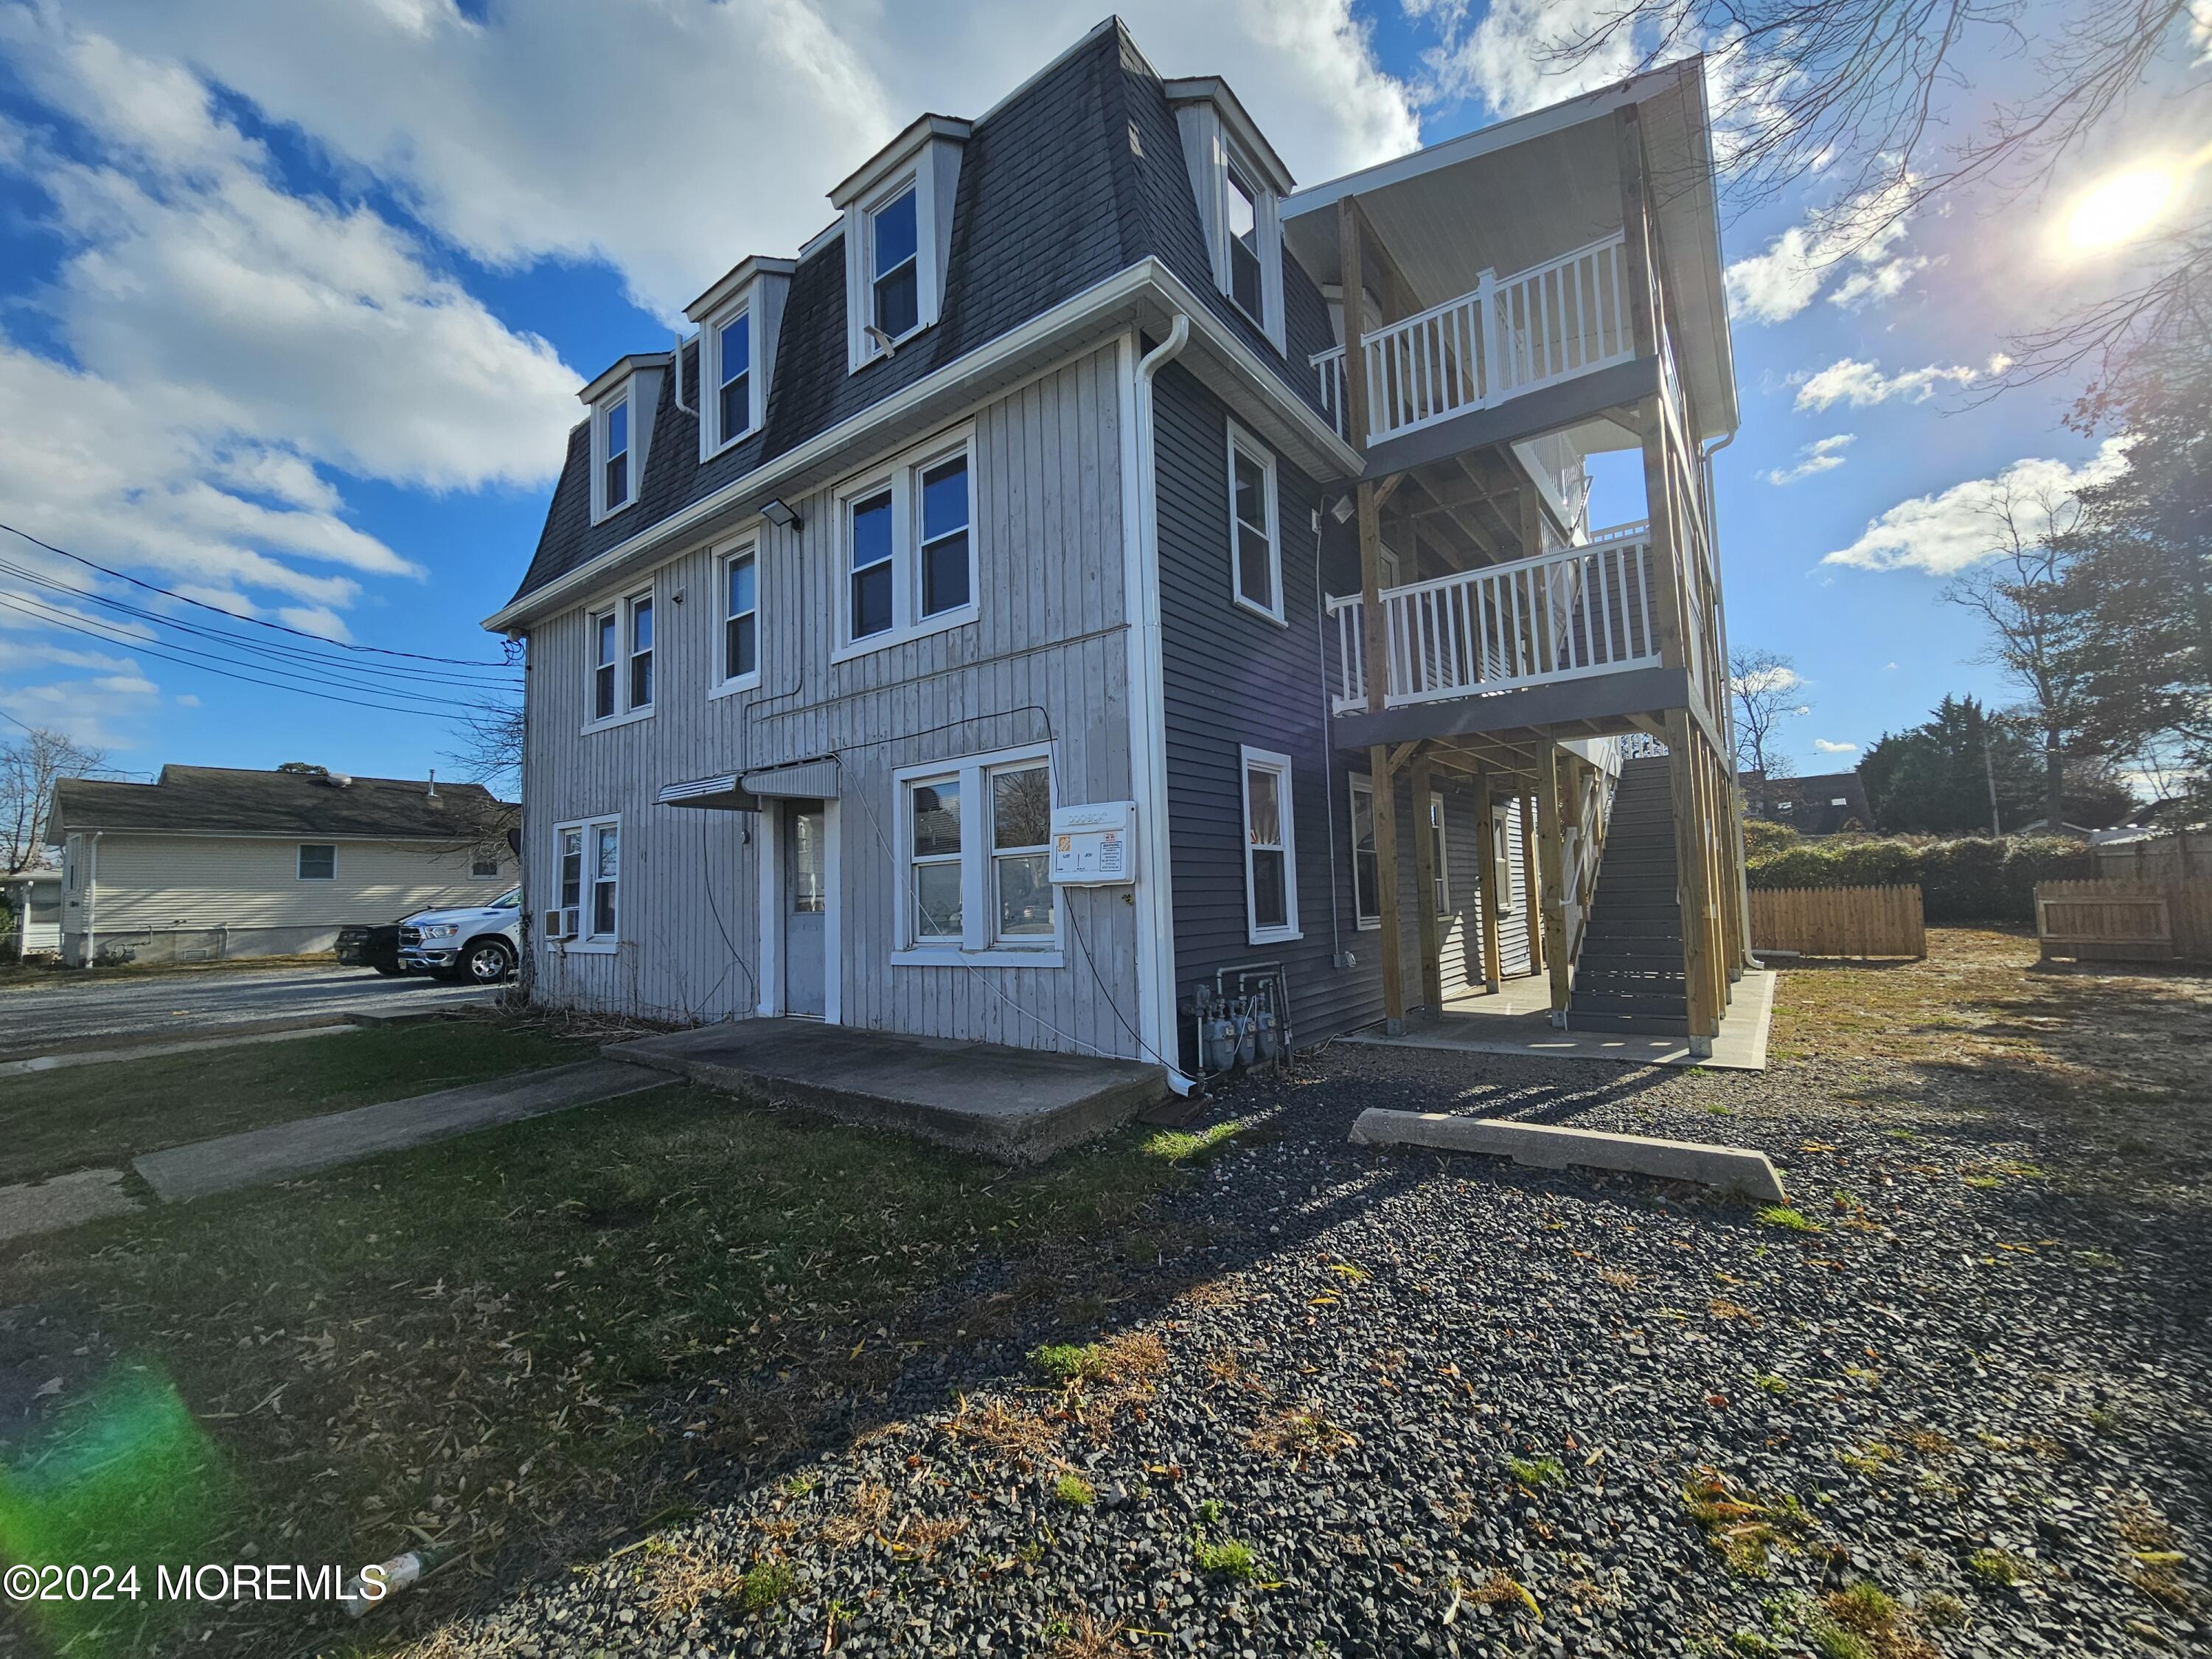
1019 1104
283 1150
47 1206
1517 1021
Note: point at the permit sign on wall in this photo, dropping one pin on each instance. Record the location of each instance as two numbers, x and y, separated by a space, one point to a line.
1091 846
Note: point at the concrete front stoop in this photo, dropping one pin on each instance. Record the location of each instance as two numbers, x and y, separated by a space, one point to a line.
1019 1105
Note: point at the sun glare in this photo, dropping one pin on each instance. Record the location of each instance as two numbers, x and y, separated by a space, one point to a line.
2120 208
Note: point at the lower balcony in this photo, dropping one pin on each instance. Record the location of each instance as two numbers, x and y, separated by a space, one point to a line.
1574 614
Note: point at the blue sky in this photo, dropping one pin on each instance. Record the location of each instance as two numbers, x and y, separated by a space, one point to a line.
295 298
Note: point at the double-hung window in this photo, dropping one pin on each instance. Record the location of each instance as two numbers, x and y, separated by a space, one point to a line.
1254 526
1244 268
1367 861
484 864
734 389
740 590
895 265
909 550
975 861
1271 888
590 876
619 640
1439 856
614 467
318 861
640 652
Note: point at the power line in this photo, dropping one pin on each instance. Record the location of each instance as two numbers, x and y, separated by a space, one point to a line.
282 655
258 622
61 619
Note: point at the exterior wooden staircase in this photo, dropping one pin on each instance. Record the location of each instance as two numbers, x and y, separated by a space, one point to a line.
1628 973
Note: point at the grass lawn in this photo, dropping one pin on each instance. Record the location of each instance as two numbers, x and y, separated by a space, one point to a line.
495 1341
91 1116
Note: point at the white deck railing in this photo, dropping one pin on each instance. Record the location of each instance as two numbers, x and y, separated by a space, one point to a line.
1564 615
1511 336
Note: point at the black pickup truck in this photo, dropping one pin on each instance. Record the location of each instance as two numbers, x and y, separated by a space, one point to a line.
377 947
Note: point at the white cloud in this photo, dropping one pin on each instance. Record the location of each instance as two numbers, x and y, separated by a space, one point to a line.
1821 455
187 700
1862 385
1504 58
1857 239
1943 534
671 139
1826 746
101 711
1779 678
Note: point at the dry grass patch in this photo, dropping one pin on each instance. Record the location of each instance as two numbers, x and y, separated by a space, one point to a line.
923 1536
1084 1638
1301 1432
1007 1432
865 1515
1745 1526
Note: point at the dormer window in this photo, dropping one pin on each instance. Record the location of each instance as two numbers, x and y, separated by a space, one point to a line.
895 258
1239 183
615 468
733 366
738 318
899 234
1244 268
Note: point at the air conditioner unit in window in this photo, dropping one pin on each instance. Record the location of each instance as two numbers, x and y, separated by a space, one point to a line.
561 924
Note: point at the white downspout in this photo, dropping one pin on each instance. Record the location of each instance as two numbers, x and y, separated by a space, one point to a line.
1148 760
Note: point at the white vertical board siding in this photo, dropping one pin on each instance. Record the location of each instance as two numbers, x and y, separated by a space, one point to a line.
1044 658
151 881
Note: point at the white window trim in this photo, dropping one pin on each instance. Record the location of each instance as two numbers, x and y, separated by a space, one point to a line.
724 685
602 945
602 509
978 903
1357 787
298 858
1243 443
710 378
920 177
1441 827
1269 760
621 605
902 475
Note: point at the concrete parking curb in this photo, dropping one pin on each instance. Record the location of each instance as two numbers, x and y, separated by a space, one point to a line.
1550 1146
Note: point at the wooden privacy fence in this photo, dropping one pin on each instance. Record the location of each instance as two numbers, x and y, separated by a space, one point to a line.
2125 920
1838 922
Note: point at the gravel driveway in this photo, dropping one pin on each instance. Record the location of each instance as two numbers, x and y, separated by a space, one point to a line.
73 1012
1346 1401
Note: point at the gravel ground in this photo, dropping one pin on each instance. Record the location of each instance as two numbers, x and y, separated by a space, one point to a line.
1445 1406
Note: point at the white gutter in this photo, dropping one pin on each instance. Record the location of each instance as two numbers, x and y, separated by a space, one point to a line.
1147 283
1148 755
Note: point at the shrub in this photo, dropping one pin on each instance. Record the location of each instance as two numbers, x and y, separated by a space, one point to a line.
1761 838
1973 879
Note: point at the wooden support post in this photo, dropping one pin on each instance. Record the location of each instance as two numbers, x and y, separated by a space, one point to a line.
1391 941
1551 854
1534 909
1425 889
1684 792
1532 521
1486 825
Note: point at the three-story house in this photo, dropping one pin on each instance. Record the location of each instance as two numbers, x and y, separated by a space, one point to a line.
1006 619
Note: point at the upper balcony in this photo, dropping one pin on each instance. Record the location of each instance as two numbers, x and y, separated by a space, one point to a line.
1503 338
1497 296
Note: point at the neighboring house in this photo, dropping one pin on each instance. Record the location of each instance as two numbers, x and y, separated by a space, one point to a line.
34 898
963 634
212 861
1826 803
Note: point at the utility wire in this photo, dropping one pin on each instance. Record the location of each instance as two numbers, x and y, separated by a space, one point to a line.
453 714
258 622
278 656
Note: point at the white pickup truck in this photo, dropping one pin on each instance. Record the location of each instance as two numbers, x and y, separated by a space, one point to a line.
479 944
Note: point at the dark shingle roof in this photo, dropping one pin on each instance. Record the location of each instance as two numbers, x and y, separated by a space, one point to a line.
1808 805
221 799
1053 199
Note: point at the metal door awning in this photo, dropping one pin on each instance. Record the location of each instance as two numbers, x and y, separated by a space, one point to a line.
744 792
